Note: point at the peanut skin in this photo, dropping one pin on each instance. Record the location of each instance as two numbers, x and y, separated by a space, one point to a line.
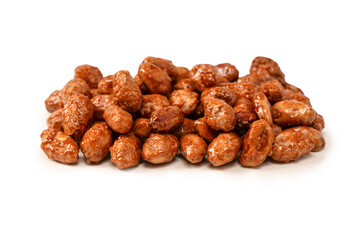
193 148
160 148
290 113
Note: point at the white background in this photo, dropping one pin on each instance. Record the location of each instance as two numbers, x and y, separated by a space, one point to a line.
316 44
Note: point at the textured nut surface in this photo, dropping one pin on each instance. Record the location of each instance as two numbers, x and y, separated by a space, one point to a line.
227 71
244 113
96 142
141 128
219 115
193 148
318 123
246 90
100 103
106 85
166 65
75 85
151 103
94 92
224 149
289 113
118 119
186 100
187 127
257 144
92 75
77 116
54 101
126 91
182 73
155 79
293 89
319 140
273 90
203 76
160 148
184 84
262 107
290 95
126 151
55 120
276 129
166 119
267 67
59 146
204 130
224 94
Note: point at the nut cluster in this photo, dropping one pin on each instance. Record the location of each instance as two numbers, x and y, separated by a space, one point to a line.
208 112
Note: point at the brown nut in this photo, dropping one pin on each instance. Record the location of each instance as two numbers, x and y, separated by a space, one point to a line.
126 151
257 144
55 120
166 65
141 85
319 140
166 119
182 73
141 128
92 75
267 67
290 113
151 103
203 76
244 113
219 115
187 127
186 100
224 149
246 90
118 119
160 148
262 107
193 148
204 130
155 79
100 103
59 146
75 85
273 90
290 95
96 142
126 91
106 85
318 123
54 101
199 112
94 92
77 116
293 89
184 84
253 79
224 94
227 71
276 129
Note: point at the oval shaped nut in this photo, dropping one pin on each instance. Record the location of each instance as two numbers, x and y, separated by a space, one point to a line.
268 68
140 84
160 148
96 142
100 103
141 128
290 95
246 90
166 65
244 113
187 127
273 90
166 119
59 146
118 119
75 85
224 149
151 103
257 144
293 89
77 116
224 94
228 71
262 107
92 75
203 76
318 123
291 144
219 115
105 86
253 79
276 129
184 84
182 73
55 120
204 130
193 148
186 100
155 79
318 138
54 102
126 91
290 113
126 152
220 80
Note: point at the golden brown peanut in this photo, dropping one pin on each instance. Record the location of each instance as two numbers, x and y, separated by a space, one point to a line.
141 85
77 115
219 115
244 113
224 94
273 90
253 79
160 148
141 128
106 85
75 85
290 113
182 73
193 148
293 89
319 140
186 100
96 142
276 129
204 130
224 149
267 67
246 90
100 103
257 144
187 127
59 146
54 101
262 107
203 76
55 120
318 123
166 119
126 151
220 80
151 103
126 91
155 79
184 84
118 119
290 95
92 75
166 65
227 71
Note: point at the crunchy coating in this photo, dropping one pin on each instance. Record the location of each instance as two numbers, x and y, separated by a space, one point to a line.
151 103
118 119
96 142
55 120
290 113
224 149
54 101
203 76
166 119
319 140
141 128
290 95
204 130
184 84
187 127
140 84
106 85
100 103
294 89
160 148
262 107
246 90
59 146
224 94
273 90
244 113
75 85
267 67
193 148
318 123
186 100
126 91
182 73
92 75
126 151
227 71
155 79
166 65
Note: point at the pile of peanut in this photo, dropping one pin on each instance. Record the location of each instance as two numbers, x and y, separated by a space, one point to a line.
208 112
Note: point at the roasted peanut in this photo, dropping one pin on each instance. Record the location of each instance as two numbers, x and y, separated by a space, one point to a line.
100 103
267 67
166 65
55 120
319 140
246 90
219 115
318 123
106 85
184 84
126 151
193 148
182 73
187 127
290 113
199 112
155 79
140 84
118 119
92 75
262 107
166 119
244 113
257 144
75 85
253 79
224 149
203 76
227 71
204 130
54 101
141 128
151 103
224 94
160 148
186 100
273 90
290 95
293 88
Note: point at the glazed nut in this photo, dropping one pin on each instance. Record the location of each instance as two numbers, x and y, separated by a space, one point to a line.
151 103
92 75
203 76
101 103
182 73
166 65
318 123
54 101
262 107
155 79
221 93
160 148
244 113
193 148
187 127
267 67
126 151
184 84
204 130
227 71
74 86
273 90
118 119
166 119
246 90
290 113
186 100
105 86
55 120
141 128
